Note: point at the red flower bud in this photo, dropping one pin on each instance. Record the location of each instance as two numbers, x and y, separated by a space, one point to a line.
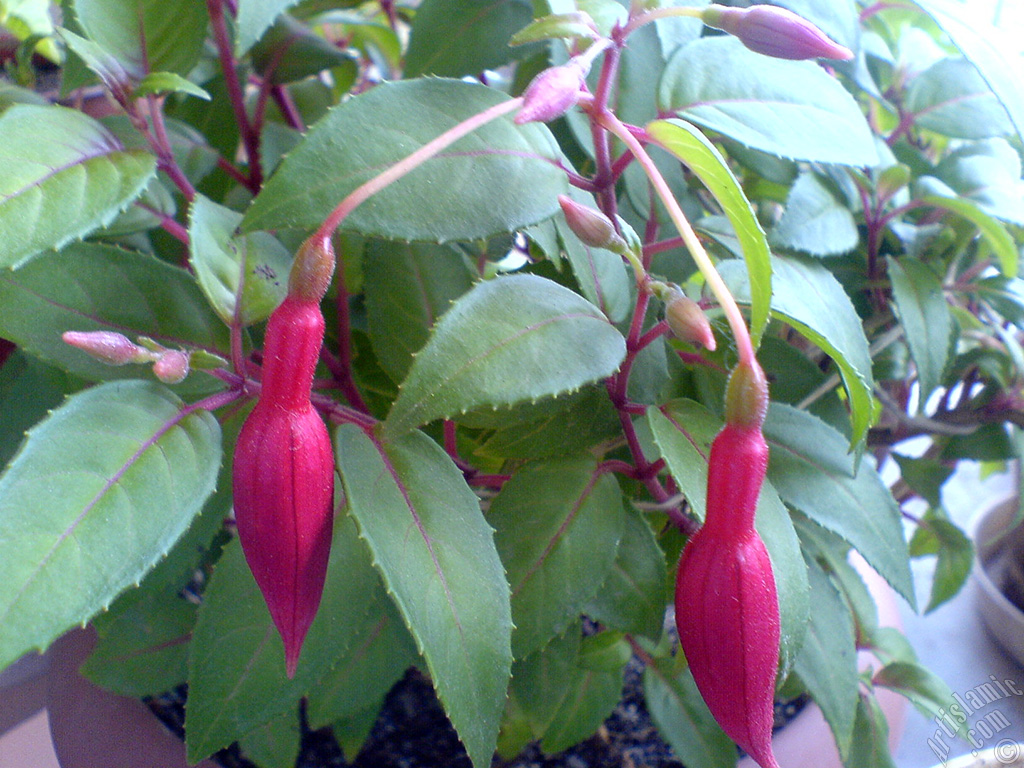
688 321
108 347
775 31
283 477
551 94
591 226
727 608
172 366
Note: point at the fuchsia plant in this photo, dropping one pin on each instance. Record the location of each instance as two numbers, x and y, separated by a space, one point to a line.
532 393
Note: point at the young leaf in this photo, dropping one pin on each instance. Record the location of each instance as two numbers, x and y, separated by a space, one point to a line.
247 270
927 321
925 690
437 555
683 718
64 176
498 179
237 677
870 745
827 662
808 297
156 83
815 220
575 519
936 535
788 108
510 339
994 231
116 472
805 455
691 146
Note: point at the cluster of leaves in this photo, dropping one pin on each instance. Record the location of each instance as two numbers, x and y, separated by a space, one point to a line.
516 451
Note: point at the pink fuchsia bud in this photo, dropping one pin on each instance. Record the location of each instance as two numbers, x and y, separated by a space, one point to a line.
775 31
551 94
108 347
172 366
591 226
687 320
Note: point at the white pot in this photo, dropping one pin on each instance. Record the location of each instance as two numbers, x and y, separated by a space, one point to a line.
1004 620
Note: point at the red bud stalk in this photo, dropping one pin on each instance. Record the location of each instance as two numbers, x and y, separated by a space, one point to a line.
727 609
283 472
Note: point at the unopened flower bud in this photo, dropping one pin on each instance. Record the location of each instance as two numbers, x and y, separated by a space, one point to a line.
108 347
591 226
312 269
775 31
172 366
688 321
746 396
551 94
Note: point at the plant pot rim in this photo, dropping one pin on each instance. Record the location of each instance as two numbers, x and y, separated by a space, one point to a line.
1003 619
1006 754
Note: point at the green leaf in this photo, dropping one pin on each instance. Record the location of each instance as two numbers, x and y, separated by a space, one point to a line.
276 743
222 259
683 431
987 173
146 35
590 699
936 535
827 662
408 287
29 389
291 51
254 18
64 176
237 679
927 321
792 109
691 146
807 296
995 232
498 179
553 27
815 219
870 745
633 596
575 519
510 339
439 562
541 680
89 287
109 70
117 473
683 718
452 38
812 471
925 476
925 690
976 42
156 83
951 98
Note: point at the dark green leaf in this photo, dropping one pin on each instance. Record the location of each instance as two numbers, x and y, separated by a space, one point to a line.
936 535
64 176
29 389
787 108
291 51
498 179
508 340
870 745
925 476
575 519
927 322
815 219
115 471
275 744
254 18
439 562
452 38
807 467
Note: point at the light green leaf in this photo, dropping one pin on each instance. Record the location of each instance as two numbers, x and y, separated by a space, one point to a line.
408 287
498 179
827 663
146 35
683 431
97 495
553 27
575 519
929 694
510 339
436 552
110 71
452 38
237 679
156 83
64 176
927 321
988 173
691 146
807 296
806 455
683 718
792 109
994 231
815 220
90 287
951 98
222 259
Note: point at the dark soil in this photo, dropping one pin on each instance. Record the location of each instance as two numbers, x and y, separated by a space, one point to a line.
412 731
